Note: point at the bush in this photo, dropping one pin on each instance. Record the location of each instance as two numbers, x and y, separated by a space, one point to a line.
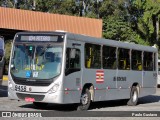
8 44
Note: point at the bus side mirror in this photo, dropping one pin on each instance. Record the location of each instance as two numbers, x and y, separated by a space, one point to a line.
1 54
73 53
1 57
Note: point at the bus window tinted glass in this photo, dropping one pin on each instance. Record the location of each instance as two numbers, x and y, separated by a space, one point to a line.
109 57
73 63
148 61
154 59
92 56
38 62
136 60
123 59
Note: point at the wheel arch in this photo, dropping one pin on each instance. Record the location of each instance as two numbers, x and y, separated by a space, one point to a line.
90 87
136 84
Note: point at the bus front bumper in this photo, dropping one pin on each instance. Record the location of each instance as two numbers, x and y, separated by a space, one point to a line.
37 97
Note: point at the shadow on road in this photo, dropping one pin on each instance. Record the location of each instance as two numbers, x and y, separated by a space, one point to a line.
149 99
95 105
73 107
3 91
56 107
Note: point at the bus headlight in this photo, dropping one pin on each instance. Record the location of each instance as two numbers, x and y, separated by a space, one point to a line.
54 89
10 85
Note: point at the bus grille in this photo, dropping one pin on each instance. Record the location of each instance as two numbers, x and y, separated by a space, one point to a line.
23 81
32 83
36 97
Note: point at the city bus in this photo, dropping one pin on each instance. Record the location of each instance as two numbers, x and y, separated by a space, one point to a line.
66 68
2 53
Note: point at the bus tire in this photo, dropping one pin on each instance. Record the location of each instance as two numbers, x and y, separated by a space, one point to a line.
40 104
133 97
85 100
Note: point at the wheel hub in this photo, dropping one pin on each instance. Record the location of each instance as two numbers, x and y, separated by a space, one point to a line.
84 99
134 96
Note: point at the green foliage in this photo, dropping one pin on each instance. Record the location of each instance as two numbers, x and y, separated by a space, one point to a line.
107 8
146 24
9 3
124 20
8 44
67 7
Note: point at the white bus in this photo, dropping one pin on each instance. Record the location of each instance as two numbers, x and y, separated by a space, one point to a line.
64 68
2 53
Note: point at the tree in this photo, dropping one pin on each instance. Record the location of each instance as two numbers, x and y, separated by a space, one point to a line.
136 20
57 6
8 44
6 3
148 15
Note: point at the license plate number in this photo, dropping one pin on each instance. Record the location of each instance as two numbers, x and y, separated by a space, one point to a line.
20 88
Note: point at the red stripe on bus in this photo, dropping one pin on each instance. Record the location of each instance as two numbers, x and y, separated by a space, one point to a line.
99 81
99 74
100 71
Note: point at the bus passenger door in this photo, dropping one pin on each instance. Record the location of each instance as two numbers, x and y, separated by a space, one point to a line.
149 71
72 81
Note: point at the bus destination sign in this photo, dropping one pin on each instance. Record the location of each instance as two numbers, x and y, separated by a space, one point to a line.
38 38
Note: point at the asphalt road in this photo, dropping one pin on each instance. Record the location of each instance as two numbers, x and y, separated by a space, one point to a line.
98 110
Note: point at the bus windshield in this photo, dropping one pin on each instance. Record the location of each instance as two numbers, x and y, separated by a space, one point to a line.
36 61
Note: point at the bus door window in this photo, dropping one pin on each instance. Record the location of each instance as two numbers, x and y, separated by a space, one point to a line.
136 60
123 59
92 56
109 57
73 64
148 61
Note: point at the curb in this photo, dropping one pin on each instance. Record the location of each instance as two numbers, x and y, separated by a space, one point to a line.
5 77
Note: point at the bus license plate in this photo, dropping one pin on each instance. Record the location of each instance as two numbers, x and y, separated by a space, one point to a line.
20 88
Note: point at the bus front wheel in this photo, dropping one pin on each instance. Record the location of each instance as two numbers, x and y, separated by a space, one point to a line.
133 97
85 100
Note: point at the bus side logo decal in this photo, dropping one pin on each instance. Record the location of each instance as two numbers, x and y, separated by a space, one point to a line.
99 76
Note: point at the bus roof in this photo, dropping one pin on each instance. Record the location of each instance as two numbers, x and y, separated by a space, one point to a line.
100 41
113 43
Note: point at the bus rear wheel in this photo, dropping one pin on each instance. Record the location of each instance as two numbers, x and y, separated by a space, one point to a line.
85 100
133 97
40 104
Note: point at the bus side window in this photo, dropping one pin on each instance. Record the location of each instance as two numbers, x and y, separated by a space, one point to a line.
148 61
88 58
154 61
123 59
136 59
92 56
72 64
109 57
